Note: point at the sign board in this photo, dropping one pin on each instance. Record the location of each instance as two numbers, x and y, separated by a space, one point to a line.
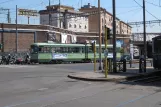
27 12
110 55
106 52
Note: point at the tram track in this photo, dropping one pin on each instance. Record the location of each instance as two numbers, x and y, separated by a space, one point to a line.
144 80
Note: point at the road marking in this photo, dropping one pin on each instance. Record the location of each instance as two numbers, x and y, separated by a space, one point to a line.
16 66
131 101
42 89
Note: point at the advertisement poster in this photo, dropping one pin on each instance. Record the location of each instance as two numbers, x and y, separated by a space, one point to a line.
60 56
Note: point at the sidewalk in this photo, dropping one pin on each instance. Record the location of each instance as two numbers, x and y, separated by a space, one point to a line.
99 76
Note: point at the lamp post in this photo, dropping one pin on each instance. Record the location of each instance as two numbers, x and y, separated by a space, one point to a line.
100 38
144 24
114 37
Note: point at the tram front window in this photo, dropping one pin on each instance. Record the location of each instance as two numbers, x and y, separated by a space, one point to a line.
34 49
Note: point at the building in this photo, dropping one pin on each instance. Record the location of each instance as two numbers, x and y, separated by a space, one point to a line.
64 17
28 34
123 30
106 19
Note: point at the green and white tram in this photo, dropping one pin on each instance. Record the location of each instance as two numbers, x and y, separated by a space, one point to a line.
58 53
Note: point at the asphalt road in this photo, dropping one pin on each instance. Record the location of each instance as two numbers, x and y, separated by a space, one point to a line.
48 86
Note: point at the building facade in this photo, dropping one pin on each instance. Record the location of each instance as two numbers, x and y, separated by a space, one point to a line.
64 17
106 19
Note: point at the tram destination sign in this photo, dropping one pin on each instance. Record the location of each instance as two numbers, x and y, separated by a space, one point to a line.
27 12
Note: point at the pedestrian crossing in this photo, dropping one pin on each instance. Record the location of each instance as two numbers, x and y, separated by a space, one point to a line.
17 66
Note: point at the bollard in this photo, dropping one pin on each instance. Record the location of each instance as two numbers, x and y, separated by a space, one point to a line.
141 65
110 65
130 63
124 65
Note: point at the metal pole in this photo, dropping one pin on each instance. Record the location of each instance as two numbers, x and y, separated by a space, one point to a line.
16 32
94 56
114 38
100 40
28 19
144 36
49 14
8 16
59 16
106 63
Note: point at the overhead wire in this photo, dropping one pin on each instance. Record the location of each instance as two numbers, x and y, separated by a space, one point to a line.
6 1
129 11
146 10
153 4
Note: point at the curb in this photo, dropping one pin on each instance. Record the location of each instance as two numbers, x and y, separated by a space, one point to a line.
113 79
91 79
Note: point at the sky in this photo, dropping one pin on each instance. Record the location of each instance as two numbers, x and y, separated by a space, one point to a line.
126 10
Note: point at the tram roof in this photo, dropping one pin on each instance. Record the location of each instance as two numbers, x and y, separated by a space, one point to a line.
157 37
67 45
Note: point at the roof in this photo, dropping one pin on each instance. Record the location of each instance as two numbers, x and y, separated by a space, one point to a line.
95 8
63 6
66 45
157 37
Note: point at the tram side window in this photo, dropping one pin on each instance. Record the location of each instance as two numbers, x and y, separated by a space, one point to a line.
53 50
44 49
64 50
57 50
76 50
83 50
110 50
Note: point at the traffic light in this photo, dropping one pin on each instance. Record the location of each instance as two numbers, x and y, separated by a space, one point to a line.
0 46
93 46
107 32
149 49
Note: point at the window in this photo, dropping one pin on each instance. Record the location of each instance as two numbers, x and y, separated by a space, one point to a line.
102 20
75 26
80 26
70 25
34 49
44 49
105 21
85 27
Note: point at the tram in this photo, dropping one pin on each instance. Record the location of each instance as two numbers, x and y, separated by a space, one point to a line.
58 53
156 52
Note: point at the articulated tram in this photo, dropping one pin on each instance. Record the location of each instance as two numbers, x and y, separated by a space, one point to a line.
58 53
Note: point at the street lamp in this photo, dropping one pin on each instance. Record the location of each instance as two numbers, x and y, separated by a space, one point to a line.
100 38
145 49
114 38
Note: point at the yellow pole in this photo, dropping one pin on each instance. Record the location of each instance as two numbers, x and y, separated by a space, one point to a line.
94 57
106 65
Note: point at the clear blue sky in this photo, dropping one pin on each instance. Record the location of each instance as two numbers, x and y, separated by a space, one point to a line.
126 10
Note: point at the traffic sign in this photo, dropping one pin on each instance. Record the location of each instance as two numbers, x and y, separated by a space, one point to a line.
106 52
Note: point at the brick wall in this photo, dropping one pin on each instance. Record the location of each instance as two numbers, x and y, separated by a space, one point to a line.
24 41
41 36
9 42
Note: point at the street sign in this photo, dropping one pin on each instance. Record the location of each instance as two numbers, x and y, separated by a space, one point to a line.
27 12
106 52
